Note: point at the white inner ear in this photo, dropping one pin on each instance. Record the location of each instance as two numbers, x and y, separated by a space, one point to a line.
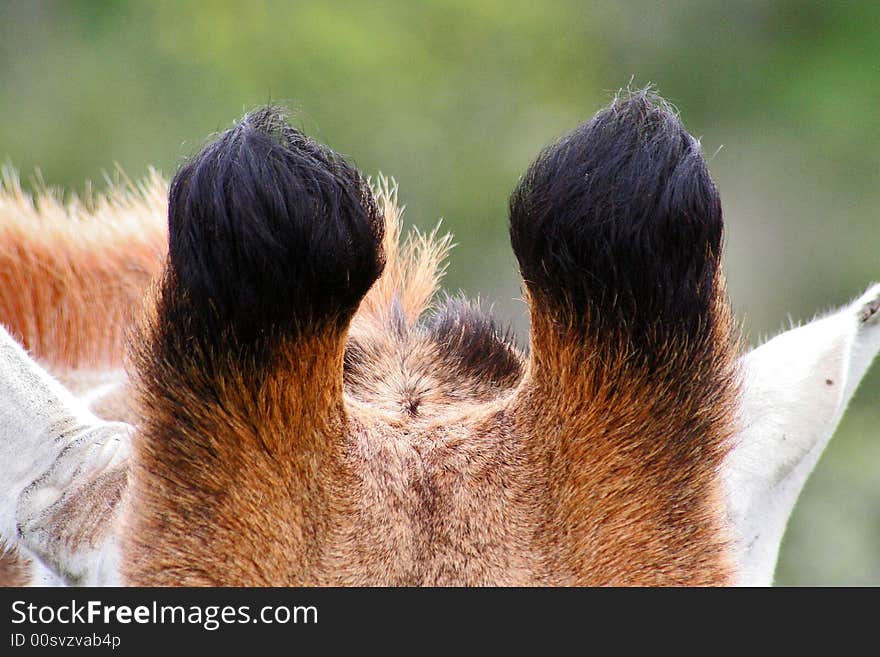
52 451
796 387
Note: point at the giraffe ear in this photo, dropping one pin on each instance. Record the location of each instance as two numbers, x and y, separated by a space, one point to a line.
63 473
795 390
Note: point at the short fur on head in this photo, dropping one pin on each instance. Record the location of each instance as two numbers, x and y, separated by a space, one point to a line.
302 407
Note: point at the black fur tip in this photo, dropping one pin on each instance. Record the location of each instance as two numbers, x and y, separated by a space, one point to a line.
270 230
620 221
471 342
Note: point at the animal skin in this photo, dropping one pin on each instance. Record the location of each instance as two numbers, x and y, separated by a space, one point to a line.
266 390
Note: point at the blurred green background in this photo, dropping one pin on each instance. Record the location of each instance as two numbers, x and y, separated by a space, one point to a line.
455 98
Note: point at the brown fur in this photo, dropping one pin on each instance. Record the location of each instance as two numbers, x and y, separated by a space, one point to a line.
631 455
392 454
15 570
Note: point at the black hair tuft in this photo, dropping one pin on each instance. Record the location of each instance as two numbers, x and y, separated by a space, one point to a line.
470 341
269 232
619 223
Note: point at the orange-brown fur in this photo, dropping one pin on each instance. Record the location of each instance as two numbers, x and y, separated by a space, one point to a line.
406 467
630 455
73 273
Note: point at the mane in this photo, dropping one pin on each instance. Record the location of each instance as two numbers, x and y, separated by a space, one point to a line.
73 272
413 270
